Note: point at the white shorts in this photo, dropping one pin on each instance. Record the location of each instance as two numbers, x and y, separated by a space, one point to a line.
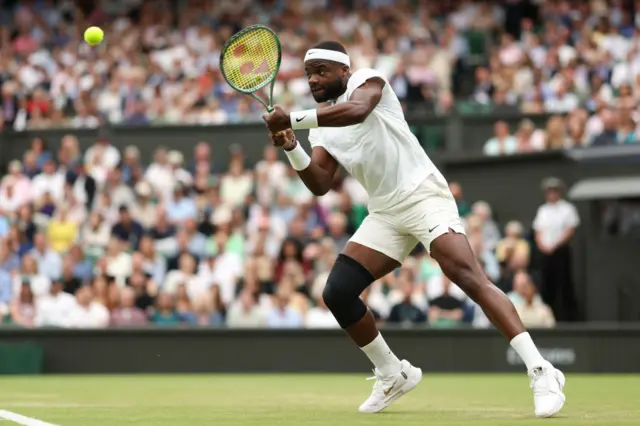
429 212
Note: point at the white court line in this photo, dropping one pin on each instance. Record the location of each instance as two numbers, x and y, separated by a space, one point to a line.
22 420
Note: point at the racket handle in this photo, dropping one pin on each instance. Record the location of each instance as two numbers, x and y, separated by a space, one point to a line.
270 109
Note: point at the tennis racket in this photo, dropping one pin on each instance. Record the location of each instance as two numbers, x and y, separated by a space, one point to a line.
250 61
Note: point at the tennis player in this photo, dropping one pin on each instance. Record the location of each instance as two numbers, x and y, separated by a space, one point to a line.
361 126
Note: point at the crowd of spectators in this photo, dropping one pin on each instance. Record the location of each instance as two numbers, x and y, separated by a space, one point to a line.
576 60
98 238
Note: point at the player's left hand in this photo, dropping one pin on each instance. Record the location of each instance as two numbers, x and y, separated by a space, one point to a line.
278 120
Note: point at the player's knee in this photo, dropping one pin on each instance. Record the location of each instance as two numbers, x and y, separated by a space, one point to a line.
342 292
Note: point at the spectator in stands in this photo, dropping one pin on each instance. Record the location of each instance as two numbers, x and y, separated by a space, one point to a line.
406 312
245 313
185 275
626 129
463 207
181 207
23 308
555 225
153 263
235 185
49 182
489 228
55 308
283 314
61 232
609 134
319 315
165 313
445 310
144 211
484 89
87 312
513 242
529 138
70 282
533 312
49 261
337 227
102 149
127 314
563 101
116 263
502 143
555 136
15 190
127 230
39 284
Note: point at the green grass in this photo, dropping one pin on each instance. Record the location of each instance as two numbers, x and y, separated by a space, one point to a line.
327 400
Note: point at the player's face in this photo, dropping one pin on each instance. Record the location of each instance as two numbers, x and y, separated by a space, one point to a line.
326 79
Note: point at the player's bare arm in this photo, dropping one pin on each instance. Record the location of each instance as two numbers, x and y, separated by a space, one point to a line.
362 101
318 176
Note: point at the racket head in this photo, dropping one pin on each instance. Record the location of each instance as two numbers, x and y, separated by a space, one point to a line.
250 60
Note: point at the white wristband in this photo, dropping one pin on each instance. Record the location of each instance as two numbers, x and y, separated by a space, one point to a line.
298 158
307 119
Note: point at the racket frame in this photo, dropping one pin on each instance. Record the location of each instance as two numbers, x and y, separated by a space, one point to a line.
271 80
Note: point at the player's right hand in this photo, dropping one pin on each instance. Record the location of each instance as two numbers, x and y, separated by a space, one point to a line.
281 138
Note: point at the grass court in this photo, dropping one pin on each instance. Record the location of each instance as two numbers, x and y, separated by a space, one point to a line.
323 400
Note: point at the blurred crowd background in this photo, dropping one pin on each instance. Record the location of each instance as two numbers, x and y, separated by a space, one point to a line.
159 63
101 237
98 238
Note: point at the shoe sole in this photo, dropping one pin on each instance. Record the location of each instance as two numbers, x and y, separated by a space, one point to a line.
408 386
562 381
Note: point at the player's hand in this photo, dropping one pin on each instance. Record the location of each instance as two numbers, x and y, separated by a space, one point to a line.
281 138
278 120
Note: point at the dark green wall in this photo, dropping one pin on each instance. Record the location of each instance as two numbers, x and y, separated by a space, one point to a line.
601 350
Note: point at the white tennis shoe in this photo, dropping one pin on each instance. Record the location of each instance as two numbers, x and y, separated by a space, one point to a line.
386 390
547 383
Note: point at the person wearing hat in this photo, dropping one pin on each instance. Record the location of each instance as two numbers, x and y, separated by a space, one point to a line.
555 225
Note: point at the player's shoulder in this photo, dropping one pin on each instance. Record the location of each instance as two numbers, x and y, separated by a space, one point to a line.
359 77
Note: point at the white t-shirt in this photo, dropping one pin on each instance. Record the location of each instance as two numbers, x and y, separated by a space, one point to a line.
93 316
553 220
54 310
381 153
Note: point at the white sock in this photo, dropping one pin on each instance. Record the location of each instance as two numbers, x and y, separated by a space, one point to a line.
524 346
381 356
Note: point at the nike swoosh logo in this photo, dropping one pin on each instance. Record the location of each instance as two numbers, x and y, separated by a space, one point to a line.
300 119
431 230
386 393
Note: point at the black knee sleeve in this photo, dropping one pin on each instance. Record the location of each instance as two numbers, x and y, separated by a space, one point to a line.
341 294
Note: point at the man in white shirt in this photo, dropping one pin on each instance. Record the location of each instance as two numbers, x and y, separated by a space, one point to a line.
109 154
53 310
555 225
87 312
50 181
361 126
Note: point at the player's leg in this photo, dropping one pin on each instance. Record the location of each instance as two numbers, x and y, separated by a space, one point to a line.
458 262
434 220
362 262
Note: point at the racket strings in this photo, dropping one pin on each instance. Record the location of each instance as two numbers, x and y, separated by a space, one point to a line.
251 60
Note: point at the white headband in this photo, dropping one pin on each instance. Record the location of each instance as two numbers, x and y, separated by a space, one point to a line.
329 55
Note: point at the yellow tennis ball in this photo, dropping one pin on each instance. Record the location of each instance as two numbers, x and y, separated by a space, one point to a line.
93 35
